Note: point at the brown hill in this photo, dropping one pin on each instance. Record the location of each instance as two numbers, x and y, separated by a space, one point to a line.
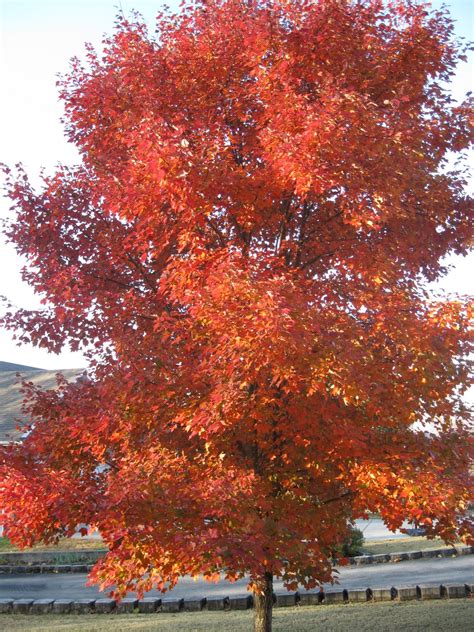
9 366
11 398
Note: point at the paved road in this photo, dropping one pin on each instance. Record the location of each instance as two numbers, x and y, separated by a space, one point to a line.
429 571
375 529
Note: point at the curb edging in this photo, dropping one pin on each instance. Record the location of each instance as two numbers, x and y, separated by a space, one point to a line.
151 605
359 560
396 557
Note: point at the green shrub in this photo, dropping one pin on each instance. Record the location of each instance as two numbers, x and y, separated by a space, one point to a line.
352 545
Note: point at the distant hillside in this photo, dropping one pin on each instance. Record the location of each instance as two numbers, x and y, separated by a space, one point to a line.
11 398
9 366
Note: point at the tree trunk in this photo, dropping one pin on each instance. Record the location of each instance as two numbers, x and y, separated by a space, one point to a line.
264 605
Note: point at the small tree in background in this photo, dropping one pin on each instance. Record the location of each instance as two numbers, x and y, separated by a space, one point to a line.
263 194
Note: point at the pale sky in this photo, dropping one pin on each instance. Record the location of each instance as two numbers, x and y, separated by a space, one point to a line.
38 37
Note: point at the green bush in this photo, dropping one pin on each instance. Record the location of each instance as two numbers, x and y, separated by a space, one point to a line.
352 545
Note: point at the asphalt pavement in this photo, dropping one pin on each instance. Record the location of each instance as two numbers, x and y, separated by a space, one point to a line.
375 529
432 571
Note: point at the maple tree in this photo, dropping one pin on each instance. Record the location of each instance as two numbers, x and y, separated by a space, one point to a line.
243 252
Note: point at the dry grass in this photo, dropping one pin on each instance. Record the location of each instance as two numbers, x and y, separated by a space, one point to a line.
401 545
396 545
66 544
435 616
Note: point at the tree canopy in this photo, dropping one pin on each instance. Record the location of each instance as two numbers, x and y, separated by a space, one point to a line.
264 191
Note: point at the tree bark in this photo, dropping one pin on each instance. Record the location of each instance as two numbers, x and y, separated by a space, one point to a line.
264 605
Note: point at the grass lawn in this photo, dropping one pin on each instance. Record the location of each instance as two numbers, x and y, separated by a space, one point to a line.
400 545
435 616
65 544
397 545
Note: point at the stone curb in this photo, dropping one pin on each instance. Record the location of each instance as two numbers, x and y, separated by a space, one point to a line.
360 560
150 605
45 568
385 558
31 558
